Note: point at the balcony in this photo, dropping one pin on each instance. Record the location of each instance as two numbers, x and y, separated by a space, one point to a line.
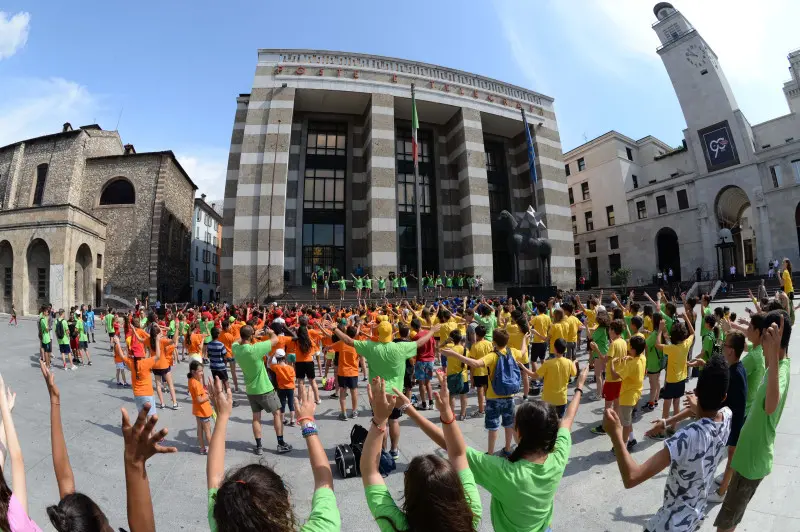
675 38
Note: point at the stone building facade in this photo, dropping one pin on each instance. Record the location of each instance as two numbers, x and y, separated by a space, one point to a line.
670 205
85 219
320 172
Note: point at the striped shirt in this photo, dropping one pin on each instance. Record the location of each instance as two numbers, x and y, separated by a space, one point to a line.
216 355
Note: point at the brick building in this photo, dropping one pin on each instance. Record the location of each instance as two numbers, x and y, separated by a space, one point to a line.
84 219
320 172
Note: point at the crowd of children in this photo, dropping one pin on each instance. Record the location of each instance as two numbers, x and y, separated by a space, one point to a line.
507 351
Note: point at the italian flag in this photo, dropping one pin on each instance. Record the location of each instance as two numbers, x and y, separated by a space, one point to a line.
414 127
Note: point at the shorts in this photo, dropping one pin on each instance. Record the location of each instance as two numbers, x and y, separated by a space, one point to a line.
203 419
304 370
408 377
673 390
120 365
560 410
111 335
73 343
142 400
423 371
571 348
268 402
611 390
64 348
83 345
456 384
348 382
538 351
498 410
162 372
738 496
221 373
90 329
626 415
286 396
47 347
480 381
396 413
196 356
443 361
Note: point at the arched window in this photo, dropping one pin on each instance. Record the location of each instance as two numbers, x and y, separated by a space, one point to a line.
118 192
41 179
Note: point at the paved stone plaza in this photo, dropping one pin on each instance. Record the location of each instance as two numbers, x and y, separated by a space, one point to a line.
591 496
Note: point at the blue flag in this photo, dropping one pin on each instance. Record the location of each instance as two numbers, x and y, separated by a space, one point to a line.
531 154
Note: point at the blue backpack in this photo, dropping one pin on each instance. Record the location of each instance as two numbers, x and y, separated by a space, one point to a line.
507 379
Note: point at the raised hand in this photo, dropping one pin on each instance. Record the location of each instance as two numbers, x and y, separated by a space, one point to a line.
140 440
382 403
223 401
304 404
442 396
50 380
611 423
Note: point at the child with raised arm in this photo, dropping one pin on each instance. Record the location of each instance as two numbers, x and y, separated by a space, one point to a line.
201 405
254 496
556 373
677 355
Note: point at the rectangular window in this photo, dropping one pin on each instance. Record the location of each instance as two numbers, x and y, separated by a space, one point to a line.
589 221
196 276
214 240
592 246
406 202
777 175
585 191
99 260
614 262
683 199
796 170
661 204
629 153
635 181
206 276
41 179
578 268
199 215
566 169
610 215
41 283
324 189
8 275
327 139
641 210
613 242
574 225
577 248
571 196
581 165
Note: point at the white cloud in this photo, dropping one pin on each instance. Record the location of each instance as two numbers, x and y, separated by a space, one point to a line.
13 32
207 168
34 107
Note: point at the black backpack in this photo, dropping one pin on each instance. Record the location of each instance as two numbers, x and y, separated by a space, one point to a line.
59 329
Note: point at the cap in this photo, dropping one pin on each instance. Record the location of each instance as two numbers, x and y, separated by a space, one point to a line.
599 308
385 332
280 353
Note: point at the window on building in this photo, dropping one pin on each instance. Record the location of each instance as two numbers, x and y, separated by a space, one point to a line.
99 260
214 259
610 215
641 210
683 199
199 215
613 242
614 262
197 253
776 172
499 199
214 240
324 189
589 221
566 169
592 246
405 194
41 179
577 248
41 283
206 276
403 147
635 181
581 165
585 191
796 170
574 225
327 139
8 276
571 196
661 204
629 153
578 273
118 192
196 274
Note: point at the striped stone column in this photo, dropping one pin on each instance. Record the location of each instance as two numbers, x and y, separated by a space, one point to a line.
381 196
467 154
292 231
259 222
229 203
358 195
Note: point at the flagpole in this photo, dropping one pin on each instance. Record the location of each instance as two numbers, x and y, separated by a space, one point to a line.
417 194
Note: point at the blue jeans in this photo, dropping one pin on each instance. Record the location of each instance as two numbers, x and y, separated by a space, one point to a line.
498 410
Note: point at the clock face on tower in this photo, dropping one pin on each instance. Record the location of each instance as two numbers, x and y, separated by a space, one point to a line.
697 55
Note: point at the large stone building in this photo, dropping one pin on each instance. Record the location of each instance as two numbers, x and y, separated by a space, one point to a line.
206 250
84 219
320 172
643 205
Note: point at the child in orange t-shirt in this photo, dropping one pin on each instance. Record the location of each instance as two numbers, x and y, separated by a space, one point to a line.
227 338
285 376
122 380
347 374
201 405
196 344
163 372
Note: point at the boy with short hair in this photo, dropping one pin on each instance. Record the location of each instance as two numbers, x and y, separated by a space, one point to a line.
285 377
556 373
631 370
572 329
617 350
480 376
677 355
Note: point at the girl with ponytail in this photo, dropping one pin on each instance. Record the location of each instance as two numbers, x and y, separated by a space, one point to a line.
307 347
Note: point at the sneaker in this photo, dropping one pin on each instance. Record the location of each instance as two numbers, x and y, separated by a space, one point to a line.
364 379
478 413
333 396
631 444
342 416
65 368
715 497
74 367
203 451
318 401
353 414
718 479
176 406
395 453
597 430
649 407
462 417
291 423
423 406
118 383
504 453
594 397
89 363
126 385
284 448
161 406
259 451
235 403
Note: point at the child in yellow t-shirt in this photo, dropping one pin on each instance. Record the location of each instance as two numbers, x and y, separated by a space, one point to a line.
631 370
457 374
677 354
556 373
573 328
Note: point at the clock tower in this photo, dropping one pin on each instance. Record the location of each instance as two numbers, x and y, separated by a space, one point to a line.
708 104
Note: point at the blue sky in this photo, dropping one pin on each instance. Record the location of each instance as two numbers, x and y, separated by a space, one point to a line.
173 69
